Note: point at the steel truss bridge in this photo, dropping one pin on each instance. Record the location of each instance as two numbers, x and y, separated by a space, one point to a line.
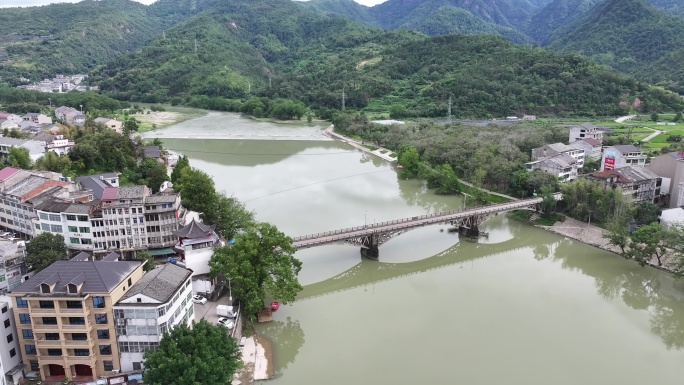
370 237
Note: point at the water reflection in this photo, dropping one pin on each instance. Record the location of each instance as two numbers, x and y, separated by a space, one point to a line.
288 336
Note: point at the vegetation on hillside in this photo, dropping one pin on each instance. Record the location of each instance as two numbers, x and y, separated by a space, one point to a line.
628 35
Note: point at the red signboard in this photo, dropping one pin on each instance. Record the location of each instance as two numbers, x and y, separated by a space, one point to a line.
609 164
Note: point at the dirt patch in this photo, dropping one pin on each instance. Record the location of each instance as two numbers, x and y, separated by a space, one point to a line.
158 117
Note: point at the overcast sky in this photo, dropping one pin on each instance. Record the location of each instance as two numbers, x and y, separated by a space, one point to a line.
31 3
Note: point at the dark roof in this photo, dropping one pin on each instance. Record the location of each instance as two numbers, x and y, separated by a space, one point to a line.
94 183
160 284
152 152
592 141
111 257
194 229
128 192
44 137
161 198
100 277
626 148
81 257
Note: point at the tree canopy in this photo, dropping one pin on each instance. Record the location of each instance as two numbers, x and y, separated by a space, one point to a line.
44 249
261 261
203 354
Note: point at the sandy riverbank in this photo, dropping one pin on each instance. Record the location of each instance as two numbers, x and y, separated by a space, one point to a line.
257 359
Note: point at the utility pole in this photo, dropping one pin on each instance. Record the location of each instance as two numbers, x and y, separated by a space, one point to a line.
343 96
249 86
449 109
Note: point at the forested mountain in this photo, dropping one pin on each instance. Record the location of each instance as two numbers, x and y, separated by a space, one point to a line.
672 7
554 15
628 35
312 58
348 9
70 38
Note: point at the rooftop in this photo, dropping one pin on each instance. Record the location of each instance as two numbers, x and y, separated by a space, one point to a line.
8 172
159 284
99 276
626 148
131 192
627 174
194 229
152 152
161 198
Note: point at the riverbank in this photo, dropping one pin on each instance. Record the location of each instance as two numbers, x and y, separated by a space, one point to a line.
595 236
152 120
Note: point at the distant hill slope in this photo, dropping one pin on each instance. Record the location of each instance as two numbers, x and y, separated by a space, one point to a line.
554 15
71 38
672 7
348 9
313 58
628 35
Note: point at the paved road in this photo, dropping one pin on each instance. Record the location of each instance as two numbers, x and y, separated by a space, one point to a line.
406 223
653 135
622 119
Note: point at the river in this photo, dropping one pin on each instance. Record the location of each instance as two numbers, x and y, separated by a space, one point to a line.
524 306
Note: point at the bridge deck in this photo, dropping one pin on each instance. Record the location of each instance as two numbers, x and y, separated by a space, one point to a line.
407 223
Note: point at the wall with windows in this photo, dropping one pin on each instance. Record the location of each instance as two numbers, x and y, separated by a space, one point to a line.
16 216
10 355
140 326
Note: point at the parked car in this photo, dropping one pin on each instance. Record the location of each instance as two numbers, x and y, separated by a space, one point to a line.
225 322
199 299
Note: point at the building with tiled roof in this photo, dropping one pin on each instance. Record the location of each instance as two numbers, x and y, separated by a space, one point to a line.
70 303
638 184
196 243
163 299
621 156
563 166
554 149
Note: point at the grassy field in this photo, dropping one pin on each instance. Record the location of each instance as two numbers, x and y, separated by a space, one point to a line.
150 120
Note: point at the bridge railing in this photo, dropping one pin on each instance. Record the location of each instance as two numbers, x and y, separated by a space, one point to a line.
489 208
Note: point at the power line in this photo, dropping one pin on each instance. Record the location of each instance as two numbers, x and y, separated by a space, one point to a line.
315 183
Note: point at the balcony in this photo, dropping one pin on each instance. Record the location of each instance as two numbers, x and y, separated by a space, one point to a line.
85 311
80 359
46 359
77 328
78 343
43 343
38 311
45 327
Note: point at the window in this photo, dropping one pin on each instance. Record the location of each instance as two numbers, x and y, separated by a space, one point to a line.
54 352
74 305
45 288
98 302
85 230
24 319
100 319
52 336
70 217
106 350
22 303
4 309
83 218
103 334
27 334
44 216
73 229
13 352
76 321
49 320
7 323
34 366
86 241
55 218
130 282
108 365
46 304
10 338
30 349
79 336
45 227
37 226
81 352
56 228
137 366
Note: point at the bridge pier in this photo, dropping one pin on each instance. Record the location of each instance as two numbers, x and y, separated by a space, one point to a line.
471 230
371 247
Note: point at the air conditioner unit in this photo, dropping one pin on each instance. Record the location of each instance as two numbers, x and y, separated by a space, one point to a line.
115 371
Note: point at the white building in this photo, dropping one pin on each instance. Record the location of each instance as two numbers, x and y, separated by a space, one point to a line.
621 156
160 301
563 166
584 131
196 242
10 357
554 149
12 269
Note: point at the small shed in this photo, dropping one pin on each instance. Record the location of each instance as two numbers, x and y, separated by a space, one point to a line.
265 315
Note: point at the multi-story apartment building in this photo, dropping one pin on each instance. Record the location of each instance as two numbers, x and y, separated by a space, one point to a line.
162 212
562 166
554 149
161 300
64 317
637 183
670 167
621 156
586 130
12 268
196 243
21 190
11 365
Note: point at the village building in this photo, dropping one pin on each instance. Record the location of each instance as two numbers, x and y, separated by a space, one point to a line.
586 130
621 156
554 149
11 364
64 316
563 166
112 124
592 147
638 184
157 303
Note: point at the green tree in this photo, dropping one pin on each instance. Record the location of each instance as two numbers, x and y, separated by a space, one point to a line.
152 173
232 216
181 165
677 117
260 261
53 162
618 232
647 243
130 125
148 259
19 157
645 213
44 250
654 116
203 354
397 111
409 159
198 193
